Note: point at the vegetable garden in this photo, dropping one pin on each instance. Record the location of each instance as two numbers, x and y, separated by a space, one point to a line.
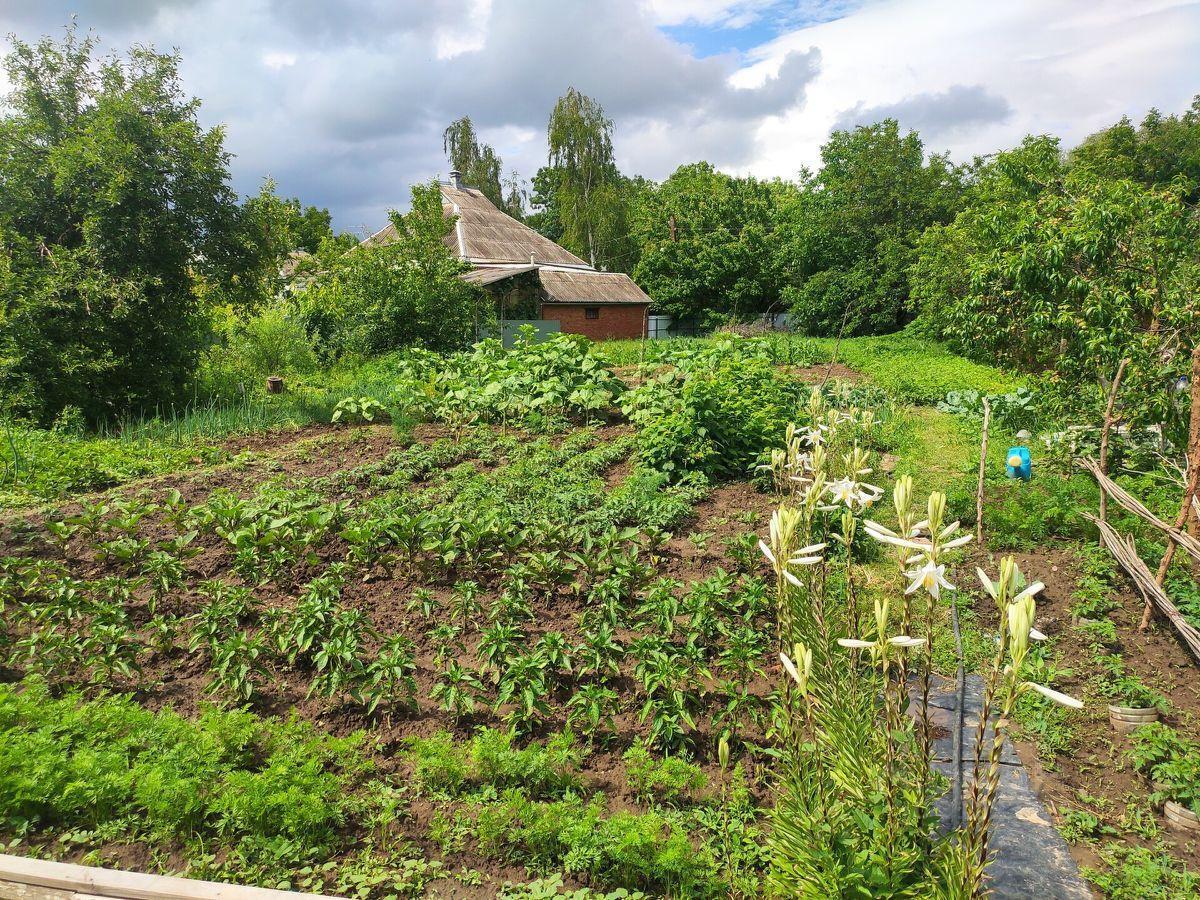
524 623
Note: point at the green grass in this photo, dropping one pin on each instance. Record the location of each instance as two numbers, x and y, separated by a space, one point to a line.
38 465
913 369
910 368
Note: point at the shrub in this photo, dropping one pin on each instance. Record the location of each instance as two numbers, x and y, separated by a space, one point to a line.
714 410
381 297
272 342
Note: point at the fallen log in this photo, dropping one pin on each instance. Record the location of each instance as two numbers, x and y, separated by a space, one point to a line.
1122 549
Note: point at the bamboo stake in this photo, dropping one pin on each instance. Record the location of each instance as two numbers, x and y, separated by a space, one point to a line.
987 419
1123 551
1193 450
1108 421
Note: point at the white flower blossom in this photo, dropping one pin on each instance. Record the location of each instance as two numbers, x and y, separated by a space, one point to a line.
1056 696
929 577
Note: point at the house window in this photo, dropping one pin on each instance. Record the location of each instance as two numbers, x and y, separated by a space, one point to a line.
591 312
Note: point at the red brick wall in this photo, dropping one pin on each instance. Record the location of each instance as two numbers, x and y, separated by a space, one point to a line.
625 320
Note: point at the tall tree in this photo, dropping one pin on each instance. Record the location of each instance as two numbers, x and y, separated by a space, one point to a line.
114 205
481 166
847 236
1057 267
587 185
705 239
1161 150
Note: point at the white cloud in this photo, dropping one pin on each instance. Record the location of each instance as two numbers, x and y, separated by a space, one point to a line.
467 35
723 13
1066 68
278 59
360 90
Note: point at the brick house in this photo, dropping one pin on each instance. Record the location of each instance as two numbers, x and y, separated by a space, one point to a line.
531 277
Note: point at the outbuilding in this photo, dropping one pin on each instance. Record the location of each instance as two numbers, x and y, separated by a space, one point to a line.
533 279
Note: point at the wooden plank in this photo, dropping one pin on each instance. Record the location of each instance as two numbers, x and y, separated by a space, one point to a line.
15 890
66 879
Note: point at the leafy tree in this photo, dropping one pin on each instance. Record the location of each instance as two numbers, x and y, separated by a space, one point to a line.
705 241
377 298
543 198
114 208
311 225
1159 151
586 183
1057 267
480 167
846 238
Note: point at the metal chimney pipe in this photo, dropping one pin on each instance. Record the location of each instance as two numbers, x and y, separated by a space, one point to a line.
455 178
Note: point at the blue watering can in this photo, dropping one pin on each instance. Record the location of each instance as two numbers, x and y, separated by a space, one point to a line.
1018 463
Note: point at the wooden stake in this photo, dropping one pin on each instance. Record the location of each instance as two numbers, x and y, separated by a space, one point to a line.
987 419
1108 421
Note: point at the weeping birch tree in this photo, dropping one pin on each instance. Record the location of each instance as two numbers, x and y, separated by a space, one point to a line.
480 166
587 185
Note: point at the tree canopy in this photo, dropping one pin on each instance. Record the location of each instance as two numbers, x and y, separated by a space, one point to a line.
115 205
1053 265
846 237
373 299
705 240
481 167
586 185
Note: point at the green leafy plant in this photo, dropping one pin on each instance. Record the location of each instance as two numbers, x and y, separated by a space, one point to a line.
357 410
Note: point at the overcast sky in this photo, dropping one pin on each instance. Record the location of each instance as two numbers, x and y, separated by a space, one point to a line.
343 101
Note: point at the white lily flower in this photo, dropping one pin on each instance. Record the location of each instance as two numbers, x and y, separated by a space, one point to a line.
958 542
762 545
929 577
789 667
903 640
887 536
1056 696
988 584
1036 635
853 493
807 556
1029 591
855 644
792 579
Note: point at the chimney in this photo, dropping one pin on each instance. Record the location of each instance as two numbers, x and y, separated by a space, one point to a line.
455 178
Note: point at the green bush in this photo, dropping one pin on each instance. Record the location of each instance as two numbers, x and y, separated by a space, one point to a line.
714 410
381 297
271 342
